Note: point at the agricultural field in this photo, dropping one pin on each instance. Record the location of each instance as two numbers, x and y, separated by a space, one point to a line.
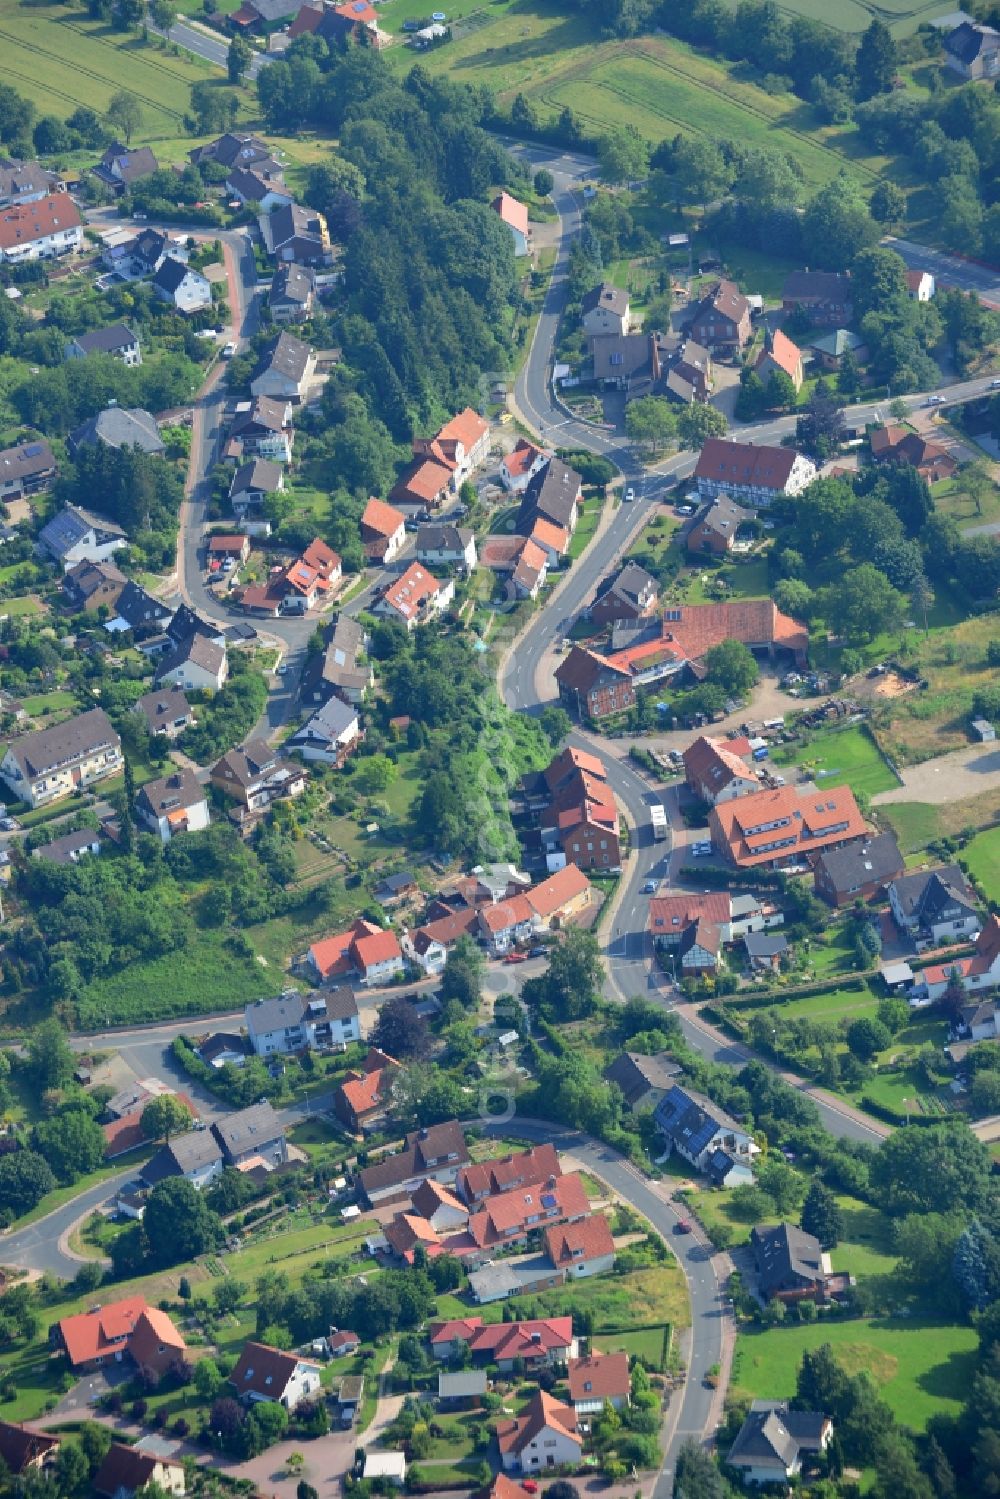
837 759
922 1368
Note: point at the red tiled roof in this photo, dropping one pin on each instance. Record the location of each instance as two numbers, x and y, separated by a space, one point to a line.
376 947
714 763
570 760
600 1376
23 223
332 954
530 1339
986 953
558 890
467 427
509 1214
512 211
410 590
542 1412
544 532
782 352
672 913
459 1328
571 1243
446 930
808 821
745 463
424 480
523 458
581 669
381 518
537 1164
90 1335
506 914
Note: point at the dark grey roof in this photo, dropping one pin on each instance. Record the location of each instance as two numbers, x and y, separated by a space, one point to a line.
975 1014
925 893
635 1074
106 340
443 538
293 283
773 1433
148 246
219 1042
199 650
288 355
817 286
67 529
21 179
186 623
162 708
87 577
967 41
252 184
192 1151
764 945
327 724
691 1121
47 749
612 298
291 221
786 1257
232 148
265 412
119 164
629 583
552 494
179 789
422 1148
120 427
864 862
282 1012
26 460
258 474
138 608
722 516
336 1004
249 1129
171 274
618 356
249 762
61 850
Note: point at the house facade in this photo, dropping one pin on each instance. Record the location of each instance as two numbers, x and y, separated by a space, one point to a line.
935 905
174 804
751 473
604 311
720 320
50 764
593 687
45 229
269 1374
706 1137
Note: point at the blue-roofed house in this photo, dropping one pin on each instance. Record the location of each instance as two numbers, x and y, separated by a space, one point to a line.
706 1137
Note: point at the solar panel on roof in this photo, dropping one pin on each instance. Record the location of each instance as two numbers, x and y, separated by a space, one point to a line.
33 449
548 1200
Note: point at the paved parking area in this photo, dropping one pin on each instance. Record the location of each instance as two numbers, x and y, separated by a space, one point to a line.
948 778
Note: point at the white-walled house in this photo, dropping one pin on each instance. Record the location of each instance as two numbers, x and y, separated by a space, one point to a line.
264 1373
174 804
49 764
706 1137
981 971
545 1436
751 472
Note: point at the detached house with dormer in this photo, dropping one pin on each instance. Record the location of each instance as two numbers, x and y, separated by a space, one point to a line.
706 1137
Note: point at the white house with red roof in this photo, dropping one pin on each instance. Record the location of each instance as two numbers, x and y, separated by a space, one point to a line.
515 215
544 1342
751 472
503 925
415 597
585 1247
383 531
521 464
980 971
718 770
482 1179
597 1378
545 1436
377 957
42 230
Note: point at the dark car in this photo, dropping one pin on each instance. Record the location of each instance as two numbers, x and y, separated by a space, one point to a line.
683 1227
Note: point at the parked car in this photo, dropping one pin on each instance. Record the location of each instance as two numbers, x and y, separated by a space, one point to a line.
684 509
229 351
934 401
541 951
995 385
516 957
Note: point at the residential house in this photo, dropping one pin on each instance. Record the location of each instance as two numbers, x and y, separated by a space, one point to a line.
483 1179
45 229
858 871
394 889
692 927
251 1135
447 546
263 428
311 577
222 1049
185 289
566 895
442 463
26 182
824 296
438 1151
119 1330
353 21
383 531
121 168
414 597
263 1373
972 51
365 1095
233 548
144 252
521 560
779 356
981 971
129 1471
719 770
259 188
23 1447
50 764
605 310
720 319
383 1467
321 1020
935 905
581 825
74 535
830 348
592 686
377 957
175 803
784 826
119 427
514 1215
26 469
979 1021
255 775
630 593
285 370
706 1137
439 1206
771 1443
141 613
554 494
581 1248
641 364
93 585
233 149
466 1385
70 848
715 527
792 1267
293 293
331 957
294 233
253 483
117 341
341 1341
330 734
504 925
541 1342
515 215
195 1155
448 1338
920 285
765 952
751 472
641 1080
678 644
521 464
194 663
597 1378
338 669
167 712
898 444
545 1436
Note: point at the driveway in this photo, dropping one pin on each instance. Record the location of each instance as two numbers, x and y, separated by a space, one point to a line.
948 778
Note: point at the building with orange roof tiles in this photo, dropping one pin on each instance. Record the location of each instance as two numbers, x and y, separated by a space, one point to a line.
545 1436
784 826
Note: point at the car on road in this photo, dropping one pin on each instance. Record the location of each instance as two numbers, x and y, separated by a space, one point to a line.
281 668
629 494
683 1227
9 824
700 850
934 401
650 887
530 1486
516 957
229 351
684 509
995 385
541 951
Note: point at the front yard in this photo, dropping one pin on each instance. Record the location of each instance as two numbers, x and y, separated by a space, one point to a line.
848 757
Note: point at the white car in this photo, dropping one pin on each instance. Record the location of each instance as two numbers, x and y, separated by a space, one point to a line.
629 494
934 401
281 668
229 351
995 385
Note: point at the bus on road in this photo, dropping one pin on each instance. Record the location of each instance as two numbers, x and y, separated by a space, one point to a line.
658 818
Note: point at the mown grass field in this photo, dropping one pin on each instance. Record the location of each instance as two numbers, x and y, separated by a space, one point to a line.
846 758
921 1368
59 59
983 855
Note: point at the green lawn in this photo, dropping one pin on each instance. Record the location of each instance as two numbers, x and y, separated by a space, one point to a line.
983 855
921 1368
42 703
210 977
586 526
646 1344
744 580
837 759
852 1000
915 823
29 604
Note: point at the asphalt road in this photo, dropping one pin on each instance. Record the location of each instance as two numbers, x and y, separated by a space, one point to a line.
950 269
212 49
